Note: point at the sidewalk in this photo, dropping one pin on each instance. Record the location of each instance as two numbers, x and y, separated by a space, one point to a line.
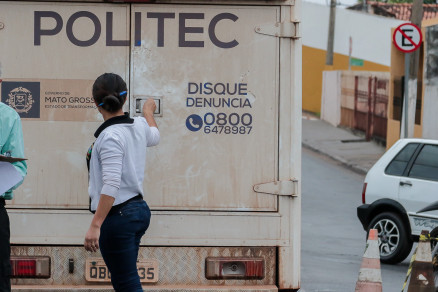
340 144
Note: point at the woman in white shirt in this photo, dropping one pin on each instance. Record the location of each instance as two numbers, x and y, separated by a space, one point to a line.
116 172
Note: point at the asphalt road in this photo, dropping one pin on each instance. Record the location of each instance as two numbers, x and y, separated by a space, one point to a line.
333 240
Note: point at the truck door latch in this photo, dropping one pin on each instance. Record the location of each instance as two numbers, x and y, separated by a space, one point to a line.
141 99
287 29
279 188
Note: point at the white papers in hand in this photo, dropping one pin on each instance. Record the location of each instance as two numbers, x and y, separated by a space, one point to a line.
9 176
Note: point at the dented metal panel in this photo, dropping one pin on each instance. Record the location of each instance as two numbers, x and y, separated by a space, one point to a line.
218 80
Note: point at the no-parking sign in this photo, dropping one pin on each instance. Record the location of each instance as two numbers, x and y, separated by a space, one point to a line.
407 37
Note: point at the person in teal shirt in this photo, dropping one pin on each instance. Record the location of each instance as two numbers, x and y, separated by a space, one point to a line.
11 141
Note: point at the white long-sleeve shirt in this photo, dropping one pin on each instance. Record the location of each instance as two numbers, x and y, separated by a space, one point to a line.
118 159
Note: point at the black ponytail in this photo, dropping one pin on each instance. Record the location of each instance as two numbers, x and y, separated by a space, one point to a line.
109 92
111 103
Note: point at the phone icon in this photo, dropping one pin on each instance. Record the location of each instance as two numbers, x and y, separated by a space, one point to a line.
194 123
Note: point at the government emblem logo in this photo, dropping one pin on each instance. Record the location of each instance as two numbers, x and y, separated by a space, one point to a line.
20 99
23 97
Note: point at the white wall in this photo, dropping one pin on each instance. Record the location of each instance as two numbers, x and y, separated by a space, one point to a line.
430 109
331 97
371 34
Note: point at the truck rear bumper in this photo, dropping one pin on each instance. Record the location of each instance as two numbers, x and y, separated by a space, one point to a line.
179 269
164 288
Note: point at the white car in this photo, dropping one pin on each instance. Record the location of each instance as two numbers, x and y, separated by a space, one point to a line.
401 183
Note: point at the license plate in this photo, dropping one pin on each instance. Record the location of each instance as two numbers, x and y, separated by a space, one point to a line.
97 271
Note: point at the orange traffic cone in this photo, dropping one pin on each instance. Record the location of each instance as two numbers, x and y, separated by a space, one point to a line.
370 278
422 279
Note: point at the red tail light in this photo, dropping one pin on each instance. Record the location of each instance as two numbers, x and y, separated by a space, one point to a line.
234 268
25 268
363 192
30 267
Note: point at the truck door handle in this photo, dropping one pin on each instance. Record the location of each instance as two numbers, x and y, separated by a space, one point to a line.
141 99
405 183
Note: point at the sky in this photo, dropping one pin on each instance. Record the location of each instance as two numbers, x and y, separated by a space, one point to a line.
341 3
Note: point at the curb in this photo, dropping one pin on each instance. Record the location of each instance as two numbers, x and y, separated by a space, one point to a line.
353 167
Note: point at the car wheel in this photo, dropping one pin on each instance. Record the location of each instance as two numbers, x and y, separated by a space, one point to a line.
395 243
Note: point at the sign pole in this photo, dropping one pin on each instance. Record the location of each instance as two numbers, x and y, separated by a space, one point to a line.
350 50
404 117
407 38
416 17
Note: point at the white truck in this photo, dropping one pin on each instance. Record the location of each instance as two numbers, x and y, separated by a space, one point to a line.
224 183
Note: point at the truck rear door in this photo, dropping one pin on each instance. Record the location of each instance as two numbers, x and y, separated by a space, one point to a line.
49 60
216 81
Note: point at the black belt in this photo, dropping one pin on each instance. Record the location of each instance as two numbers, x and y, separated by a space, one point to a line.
116 208
2 202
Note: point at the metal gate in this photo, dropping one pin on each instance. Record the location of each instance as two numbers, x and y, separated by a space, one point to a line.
371 106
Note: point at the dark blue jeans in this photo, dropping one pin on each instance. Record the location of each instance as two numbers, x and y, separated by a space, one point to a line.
5 250
119 242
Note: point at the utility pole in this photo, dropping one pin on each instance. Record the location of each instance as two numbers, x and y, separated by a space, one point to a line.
331 34
412 76
364 6
350 51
